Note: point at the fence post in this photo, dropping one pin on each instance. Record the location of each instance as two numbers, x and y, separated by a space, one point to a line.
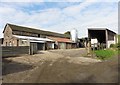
88 45
93 50
31 48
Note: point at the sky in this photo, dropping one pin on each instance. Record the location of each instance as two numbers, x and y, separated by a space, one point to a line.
60 15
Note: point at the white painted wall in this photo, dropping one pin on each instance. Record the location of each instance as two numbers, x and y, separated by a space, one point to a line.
111 42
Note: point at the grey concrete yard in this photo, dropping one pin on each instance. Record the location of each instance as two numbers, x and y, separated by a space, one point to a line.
59 66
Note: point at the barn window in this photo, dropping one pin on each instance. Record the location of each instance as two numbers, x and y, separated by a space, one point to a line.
38 35
110 36
22 42
6 43
42 36
17 42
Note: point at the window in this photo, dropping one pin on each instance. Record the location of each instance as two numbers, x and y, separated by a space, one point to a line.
23 42
38 35
17 42
16 32
110 36
43 36
6 43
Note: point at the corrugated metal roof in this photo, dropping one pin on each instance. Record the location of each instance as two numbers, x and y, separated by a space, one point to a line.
32 38
101 29
61 39
33 30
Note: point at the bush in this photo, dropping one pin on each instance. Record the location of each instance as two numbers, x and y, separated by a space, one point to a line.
112 45
115 45
118 45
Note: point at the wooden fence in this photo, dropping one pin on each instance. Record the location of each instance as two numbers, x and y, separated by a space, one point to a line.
8 51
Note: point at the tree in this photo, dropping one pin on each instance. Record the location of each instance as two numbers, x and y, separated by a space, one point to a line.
67 33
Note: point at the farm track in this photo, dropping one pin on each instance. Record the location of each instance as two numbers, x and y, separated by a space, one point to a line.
59 66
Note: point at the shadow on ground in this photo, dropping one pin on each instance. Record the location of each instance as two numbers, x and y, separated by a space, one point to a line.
9 67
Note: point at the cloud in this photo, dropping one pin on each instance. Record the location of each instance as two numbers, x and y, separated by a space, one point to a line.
106 17
21 0
75 9
57 0
80 16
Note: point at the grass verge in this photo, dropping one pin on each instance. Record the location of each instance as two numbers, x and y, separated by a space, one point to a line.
106 54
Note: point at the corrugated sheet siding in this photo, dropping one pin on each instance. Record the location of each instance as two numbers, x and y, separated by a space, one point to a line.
8 51
36 31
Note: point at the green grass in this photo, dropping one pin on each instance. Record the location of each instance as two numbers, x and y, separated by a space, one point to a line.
118 52
105 54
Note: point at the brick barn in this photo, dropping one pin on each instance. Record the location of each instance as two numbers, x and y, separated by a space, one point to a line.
15 35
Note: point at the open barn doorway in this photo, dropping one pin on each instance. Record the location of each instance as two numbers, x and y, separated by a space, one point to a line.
40 46
100 35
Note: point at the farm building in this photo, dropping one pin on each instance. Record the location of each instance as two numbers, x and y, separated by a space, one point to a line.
102 36
15 35
63 43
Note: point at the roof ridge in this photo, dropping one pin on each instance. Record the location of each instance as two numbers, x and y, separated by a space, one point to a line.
30 29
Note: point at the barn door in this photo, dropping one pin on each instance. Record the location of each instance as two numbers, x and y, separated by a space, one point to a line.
33 48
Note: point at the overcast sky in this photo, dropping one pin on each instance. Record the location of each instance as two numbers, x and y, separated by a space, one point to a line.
60 16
